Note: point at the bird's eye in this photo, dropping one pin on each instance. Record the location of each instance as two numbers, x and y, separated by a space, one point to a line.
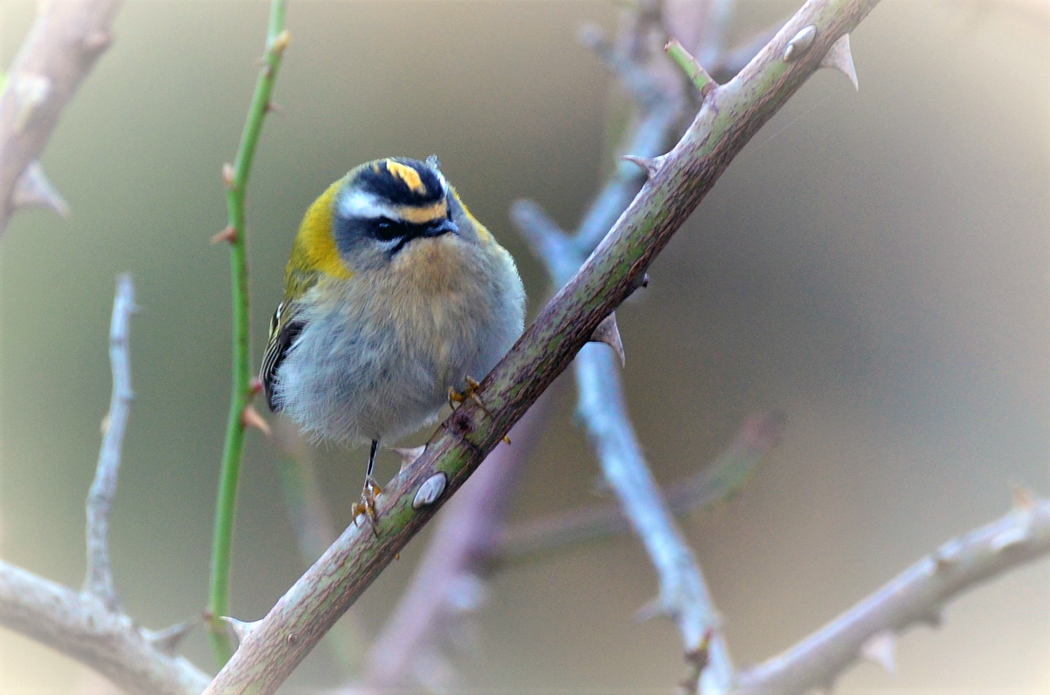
388 230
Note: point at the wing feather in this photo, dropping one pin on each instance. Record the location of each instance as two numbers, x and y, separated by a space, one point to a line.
284 329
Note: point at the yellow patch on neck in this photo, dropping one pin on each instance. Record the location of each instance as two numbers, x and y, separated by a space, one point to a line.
418 215
315 249
407 174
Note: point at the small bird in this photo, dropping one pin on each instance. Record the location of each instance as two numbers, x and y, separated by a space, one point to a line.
396 298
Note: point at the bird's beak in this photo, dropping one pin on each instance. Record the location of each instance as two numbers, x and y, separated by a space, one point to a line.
439 227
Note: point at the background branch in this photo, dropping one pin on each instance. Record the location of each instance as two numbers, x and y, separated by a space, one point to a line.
66 39
729 118
714 482
87 625
99 577
917 595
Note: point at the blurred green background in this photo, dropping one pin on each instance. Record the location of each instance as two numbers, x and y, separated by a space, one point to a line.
873 264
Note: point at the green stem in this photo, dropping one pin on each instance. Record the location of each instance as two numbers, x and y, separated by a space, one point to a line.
691 66
236 179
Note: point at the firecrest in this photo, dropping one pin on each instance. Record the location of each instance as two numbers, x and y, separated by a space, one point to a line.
395 297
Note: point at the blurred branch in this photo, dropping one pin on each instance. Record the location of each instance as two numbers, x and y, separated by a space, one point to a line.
80 626
602 408
88 625
99 577
242 413
719 480
448 582
730 116
63 44
917 595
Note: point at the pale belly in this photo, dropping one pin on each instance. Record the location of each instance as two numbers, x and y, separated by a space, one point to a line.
382 369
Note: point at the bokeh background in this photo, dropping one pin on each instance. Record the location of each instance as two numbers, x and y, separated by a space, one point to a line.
874 264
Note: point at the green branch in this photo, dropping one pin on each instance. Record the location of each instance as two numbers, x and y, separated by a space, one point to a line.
241 413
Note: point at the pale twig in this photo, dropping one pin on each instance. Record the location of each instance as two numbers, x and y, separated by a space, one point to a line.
915 596
63 44
448 581
99 577
87 625
717 481
81 627
730 116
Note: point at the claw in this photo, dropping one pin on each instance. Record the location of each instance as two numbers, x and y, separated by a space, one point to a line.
367 505
469 393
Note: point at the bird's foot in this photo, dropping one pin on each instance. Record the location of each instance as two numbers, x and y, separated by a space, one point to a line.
367 505
469 394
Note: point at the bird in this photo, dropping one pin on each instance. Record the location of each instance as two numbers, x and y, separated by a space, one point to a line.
396 299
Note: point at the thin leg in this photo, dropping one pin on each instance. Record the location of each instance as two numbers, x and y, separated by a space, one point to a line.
367 505
372 458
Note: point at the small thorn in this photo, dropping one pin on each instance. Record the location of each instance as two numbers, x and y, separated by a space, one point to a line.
651 167
250 417
229 176
800 43
943 562
239 629
1023 498
653 609
839 57
97 41
931 618
880 649
255 386
228 235
167 641
280 43
609 333
273 107
34 190
409 456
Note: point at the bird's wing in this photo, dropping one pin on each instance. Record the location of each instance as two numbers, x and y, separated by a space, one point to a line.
285 327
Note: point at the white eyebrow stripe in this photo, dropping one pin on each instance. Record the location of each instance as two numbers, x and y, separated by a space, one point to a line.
361 204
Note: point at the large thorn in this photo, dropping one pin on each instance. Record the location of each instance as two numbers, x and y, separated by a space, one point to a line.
239 628
650 166
840 58
881 649
167 641
34 190
409 456
609 333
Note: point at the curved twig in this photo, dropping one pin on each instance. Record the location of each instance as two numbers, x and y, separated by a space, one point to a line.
915 596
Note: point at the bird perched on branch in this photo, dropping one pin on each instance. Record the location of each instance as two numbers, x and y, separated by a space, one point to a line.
395 299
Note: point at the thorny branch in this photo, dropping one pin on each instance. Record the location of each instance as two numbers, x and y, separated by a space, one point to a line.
99 577
449 580
88 625
915 596
730 116
659 101
66 39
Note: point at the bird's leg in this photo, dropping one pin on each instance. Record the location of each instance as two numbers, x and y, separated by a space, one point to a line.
367 505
